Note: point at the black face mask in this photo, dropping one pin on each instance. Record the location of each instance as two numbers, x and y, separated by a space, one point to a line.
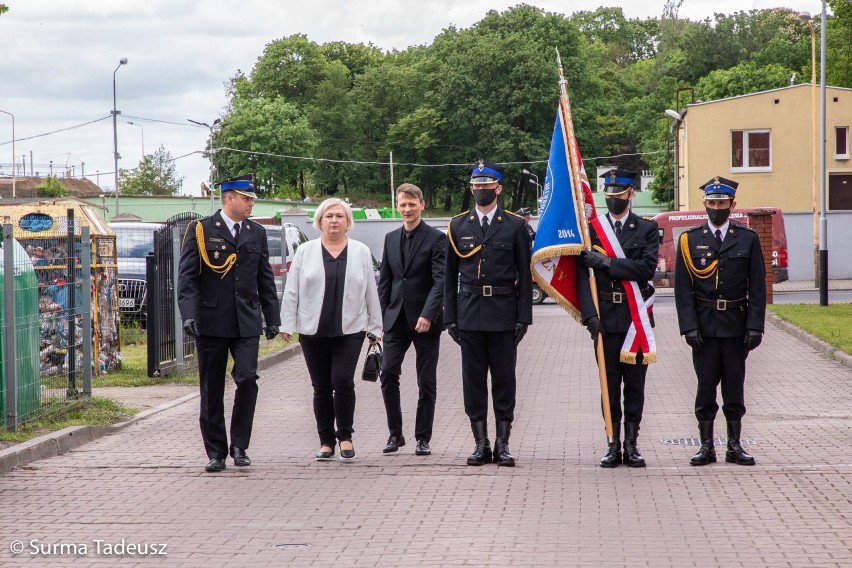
718 216
484 197
617 206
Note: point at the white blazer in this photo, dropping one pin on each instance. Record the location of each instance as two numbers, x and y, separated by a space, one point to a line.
305 289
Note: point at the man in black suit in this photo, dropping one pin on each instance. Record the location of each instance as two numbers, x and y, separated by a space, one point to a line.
720 295
411 293
487 307
226 290
622 277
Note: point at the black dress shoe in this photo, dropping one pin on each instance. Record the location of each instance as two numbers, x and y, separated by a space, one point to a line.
215 465
325 455
241 459
394 444
347 455
423 448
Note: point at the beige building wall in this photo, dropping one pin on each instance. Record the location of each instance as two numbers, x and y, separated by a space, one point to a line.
704 146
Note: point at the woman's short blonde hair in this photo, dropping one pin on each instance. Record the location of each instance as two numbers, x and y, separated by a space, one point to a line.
331 202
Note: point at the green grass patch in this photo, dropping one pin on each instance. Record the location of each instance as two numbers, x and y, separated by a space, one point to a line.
829 323
97 412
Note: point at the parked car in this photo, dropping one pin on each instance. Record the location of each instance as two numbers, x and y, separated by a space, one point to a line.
673 223
133 243
283 241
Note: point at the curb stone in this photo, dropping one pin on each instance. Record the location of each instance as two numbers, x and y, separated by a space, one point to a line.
61 441
826 349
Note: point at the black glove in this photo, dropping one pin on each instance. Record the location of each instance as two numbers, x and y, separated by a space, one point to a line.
753 339
271 332
594 259
693 338
453 330
190 327
593 324
520 332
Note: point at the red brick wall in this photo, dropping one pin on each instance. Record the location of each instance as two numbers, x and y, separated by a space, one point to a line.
760 220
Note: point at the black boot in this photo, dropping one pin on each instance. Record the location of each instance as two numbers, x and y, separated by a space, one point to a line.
632 457
736 454
501 445
613 452
706 454
482 453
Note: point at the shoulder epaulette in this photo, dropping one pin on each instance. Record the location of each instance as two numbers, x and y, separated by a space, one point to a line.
459 215
689 230
647 217
513 214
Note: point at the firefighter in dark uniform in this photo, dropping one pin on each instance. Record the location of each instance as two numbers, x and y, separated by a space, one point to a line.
720 294
226 290
640 241
487 307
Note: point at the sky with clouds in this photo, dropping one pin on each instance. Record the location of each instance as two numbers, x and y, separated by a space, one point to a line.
58 60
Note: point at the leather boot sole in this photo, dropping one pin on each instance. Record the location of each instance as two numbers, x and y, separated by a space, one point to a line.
733 459
486 458
708 461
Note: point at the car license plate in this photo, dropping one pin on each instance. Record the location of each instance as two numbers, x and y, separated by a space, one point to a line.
126 303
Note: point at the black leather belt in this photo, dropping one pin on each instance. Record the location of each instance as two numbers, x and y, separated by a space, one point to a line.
721 304
614 297
488 290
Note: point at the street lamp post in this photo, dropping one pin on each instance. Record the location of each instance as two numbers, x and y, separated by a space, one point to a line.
212 164
823 223
143 136
677 117
13 151
537 186
115 156
809 21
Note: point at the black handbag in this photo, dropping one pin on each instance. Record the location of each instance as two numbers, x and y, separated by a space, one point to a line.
373 363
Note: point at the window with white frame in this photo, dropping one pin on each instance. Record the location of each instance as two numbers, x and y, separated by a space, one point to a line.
841 142
751 150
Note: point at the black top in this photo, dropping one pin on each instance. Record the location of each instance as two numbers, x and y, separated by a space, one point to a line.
331 316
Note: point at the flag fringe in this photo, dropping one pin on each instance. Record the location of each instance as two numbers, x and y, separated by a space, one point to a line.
556 250
630 358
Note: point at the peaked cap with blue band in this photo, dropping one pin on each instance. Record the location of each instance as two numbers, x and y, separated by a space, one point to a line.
719 188
484 172
244 185
617 181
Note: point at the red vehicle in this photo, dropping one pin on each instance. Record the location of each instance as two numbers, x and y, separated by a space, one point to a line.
673 223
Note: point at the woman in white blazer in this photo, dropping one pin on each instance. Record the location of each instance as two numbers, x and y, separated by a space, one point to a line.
332 302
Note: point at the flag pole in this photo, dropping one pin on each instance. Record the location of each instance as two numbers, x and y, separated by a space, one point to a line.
568 127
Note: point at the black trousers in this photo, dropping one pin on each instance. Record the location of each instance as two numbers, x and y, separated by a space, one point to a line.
630 378
483 351
331 364
720 360
212 363
396 342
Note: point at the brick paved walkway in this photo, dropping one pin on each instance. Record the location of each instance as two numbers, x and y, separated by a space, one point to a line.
557 508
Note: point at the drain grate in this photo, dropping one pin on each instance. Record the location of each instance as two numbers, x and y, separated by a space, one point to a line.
697 442
291 546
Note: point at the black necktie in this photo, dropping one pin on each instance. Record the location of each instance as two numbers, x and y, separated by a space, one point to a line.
618 228
237 232
719 237
406 245
484 226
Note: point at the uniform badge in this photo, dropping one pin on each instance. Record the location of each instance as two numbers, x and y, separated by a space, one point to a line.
499 218
703 261
216 254
218 224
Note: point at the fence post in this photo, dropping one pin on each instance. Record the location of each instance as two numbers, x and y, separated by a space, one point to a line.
71 307
153 317
178 322
86 288
10 341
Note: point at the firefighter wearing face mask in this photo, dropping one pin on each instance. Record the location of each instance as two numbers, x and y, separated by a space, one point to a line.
624 258
487 307
720 294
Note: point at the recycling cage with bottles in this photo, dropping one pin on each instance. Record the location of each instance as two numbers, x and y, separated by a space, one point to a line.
51 236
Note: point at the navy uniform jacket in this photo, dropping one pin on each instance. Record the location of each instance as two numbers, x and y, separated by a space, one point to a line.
228 306
416 288
640 240
502 259
740 274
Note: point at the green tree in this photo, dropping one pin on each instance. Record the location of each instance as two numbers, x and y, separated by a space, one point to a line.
52 187
838 68
155 175
740 80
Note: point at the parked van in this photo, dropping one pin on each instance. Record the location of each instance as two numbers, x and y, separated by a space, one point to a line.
673 223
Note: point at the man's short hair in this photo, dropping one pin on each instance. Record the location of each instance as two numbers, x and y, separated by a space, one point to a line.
410 190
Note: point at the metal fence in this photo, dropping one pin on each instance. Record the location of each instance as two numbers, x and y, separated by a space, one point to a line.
169 348
59 319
